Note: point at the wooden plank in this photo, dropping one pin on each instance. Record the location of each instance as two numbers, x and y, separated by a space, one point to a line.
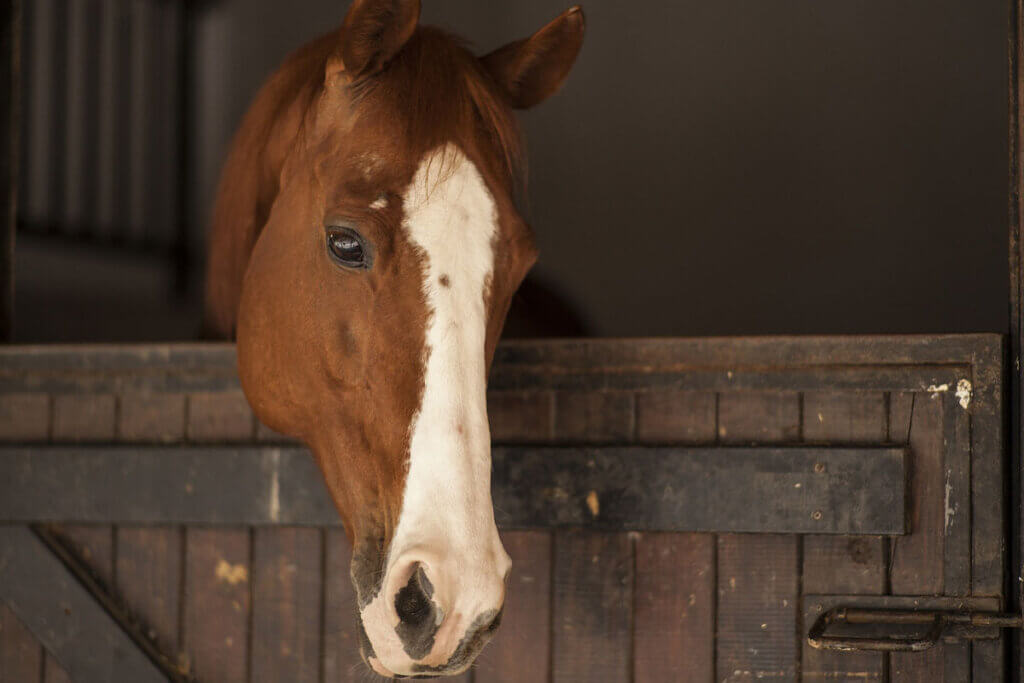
761 417
149 580
594 417
564 356
521 650
342 662
94 546
169 485
286 609
216 614
903 363
674 613
844 564
758 603
916 565
675 417
592 608
826 490
989 558
956 500
53 672
917 559
63 615
791 490
21 655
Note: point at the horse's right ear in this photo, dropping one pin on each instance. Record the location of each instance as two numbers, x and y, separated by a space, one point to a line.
374 31
533 69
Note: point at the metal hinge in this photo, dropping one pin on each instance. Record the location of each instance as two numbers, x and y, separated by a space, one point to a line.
903 624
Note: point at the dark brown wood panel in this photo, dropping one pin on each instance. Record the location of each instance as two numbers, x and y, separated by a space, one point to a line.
21 655
674 613
286 612
844 564
676 417
54 672
217 575
844 418
149 580
917 559
758 417
94 546
592 611
758 604
917 565
342 662
521 650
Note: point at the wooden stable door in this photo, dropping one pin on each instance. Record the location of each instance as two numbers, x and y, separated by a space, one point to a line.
676 510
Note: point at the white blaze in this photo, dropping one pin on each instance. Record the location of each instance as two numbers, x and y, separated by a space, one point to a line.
447 518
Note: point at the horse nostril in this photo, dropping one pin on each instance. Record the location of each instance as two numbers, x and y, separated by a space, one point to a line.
412 603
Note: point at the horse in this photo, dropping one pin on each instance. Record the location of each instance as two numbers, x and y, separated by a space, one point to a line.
364 250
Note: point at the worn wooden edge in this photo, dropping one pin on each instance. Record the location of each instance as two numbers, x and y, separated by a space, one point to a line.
712 489
958 522
990 482
1015 129
718 363
63 615
725 351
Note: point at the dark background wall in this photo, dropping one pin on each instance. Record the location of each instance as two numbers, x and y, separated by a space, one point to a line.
711 168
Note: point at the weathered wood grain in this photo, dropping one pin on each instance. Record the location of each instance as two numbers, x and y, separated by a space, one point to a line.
676 417
342 662
61 612
217 589
149 580
521 650
757 608
592 611
674 612
918 560
21 655
844 564
758 417
93 544
286 608
841 490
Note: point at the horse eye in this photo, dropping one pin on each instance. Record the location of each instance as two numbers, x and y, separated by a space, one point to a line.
346 247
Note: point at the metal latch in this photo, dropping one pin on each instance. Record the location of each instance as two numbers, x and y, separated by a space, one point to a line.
905 630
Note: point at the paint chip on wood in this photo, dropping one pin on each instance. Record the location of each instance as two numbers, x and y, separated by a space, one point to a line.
963 393
232 574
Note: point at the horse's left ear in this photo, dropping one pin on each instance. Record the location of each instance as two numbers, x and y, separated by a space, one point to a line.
533 69
374 31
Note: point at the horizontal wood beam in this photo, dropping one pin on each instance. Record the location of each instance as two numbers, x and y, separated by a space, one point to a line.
820 490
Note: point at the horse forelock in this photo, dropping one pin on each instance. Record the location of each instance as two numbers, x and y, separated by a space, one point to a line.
435 92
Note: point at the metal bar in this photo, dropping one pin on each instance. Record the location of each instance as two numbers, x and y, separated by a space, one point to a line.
938 622
776 490
50 600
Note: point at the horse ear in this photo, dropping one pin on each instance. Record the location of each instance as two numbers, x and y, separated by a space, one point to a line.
374 31
533 69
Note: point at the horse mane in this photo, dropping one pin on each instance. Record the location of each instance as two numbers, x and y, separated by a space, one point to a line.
434 90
